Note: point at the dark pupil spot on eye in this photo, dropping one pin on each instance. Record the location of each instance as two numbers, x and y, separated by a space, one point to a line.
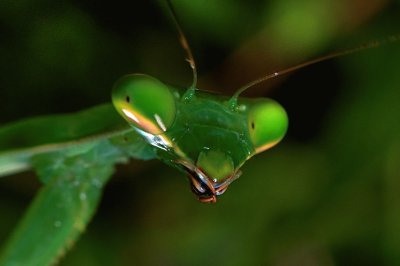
128 99
252 125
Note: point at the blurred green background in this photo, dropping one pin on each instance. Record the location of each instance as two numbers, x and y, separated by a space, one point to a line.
327 195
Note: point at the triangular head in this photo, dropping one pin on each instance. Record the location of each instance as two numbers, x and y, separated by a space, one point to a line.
205 135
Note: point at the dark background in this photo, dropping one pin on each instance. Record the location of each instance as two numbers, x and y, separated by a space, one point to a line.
327 195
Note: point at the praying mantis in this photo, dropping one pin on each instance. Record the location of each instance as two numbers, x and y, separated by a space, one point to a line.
206 136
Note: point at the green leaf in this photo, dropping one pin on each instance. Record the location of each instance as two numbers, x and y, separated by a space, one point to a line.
21 140
74 156
64 206
95 122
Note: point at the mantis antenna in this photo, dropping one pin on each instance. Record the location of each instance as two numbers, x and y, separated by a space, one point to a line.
184 43
371 44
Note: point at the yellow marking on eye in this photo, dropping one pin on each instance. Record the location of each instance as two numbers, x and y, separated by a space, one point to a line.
266 146
142 122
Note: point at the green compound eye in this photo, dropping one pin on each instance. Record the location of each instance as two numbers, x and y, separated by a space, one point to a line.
144 102
267 123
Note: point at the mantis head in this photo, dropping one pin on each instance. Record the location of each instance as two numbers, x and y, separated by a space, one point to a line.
204 135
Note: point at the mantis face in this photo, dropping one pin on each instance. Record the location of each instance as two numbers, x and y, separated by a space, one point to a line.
199 133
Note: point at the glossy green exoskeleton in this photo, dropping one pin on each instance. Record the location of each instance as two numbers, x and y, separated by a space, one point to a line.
207 136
